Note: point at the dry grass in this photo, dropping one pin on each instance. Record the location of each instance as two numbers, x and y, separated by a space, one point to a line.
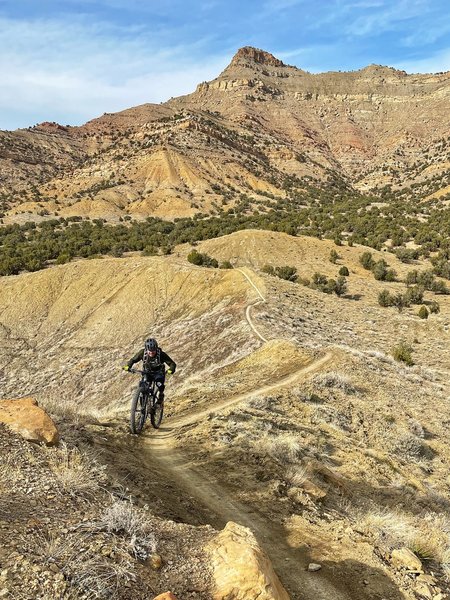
428 536
83 566
69 410
123 518
334 380
296 476
284 448
76 473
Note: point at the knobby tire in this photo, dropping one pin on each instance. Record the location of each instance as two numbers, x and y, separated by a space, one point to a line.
137 415
156 414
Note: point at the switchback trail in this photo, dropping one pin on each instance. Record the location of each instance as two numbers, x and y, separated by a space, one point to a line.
290 563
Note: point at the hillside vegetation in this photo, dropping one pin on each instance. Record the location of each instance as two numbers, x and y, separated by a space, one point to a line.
319 440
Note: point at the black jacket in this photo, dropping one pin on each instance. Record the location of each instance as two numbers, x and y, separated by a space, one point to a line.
153 365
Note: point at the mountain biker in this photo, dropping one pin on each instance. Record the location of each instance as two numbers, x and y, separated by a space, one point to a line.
153 359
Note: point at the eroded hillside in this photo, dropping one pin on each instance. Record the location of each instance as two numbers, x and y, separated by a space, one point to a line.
288 413
261 129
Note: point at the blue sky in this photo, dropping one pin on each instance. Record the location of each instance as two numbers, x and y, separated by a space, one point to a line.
71 60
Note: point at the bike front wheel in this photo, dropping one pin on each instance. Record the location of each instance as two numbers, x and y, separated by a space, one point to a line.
156 414
138 411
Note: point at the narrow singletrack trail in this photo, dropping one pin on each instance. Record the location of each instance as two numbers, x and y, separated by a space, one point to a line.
290 563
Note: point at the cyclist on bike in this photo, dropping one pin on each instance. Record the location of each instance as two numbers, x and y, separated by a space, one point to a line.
153 360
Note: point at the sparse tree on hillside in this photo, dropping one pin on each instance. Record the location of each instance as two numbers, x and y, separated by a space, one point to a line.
423 312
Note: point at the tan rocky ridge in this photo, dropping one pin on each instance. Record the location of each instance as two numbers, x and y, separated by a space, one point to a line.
242 133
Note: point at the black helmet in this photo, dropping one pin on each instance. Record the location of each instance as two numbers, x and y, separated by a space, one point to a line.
151 345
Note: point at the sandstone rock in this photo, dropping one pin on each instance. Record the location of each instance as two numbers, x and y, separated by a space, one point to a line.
314 567
165 596
405 559
26 418
313 490
423 589
241 570
155 561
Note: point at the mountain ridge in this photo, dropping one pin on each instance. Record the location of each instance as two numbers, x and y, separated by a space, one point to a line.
256 124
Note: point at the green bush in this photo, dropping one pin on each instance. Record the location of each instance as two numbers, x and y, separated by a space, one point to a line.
341 286
400 301
439 287
406 255
334 256
366 259
202 260
226 265
382 273
287 273
344 271
423 312
403 353
268 269
415 294
434 307
385 298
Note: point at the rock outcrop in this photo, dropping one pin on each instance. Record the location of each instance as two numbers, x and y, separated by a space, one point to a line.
25 417
243 132
241 570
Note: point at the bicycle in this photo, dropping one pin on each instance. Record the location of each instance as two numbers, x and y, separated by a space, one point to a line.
140 405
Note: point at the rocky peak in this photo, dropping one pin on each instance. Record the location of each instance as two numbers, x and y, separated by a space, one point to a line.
247 55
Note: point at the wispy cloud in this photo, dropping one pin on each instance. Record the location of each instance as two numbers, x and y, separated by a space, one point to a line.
440 61
72 60
83 69
386 17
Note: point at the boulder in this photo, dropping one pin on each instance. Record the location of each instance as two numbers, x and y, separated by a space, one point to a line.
241 570
25 417
165 596
403 558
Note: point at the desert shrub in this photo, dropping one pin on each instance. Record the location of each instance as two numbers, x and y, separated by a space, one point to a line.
403 353
296 476
412 277
149 251
63 258
408 446
76 474
366 260
319 281
328 286
344 271
385 298
334 380
88 574
341 286
284 448
200 259
123 518
400 301
414 295
268 269
434 307
406 255
287 273
423 312
226 265
439 287
382 273
334 256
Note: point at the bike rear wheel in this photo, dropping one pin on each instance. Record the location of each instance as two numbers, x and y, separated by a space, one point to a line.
138 411
157 411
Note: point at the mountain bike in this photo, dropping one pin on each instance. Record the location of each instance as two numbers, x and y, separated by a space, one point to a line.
145 402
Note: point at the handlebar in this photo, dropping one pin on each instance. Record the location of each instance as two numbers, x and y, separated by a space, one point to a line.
142 372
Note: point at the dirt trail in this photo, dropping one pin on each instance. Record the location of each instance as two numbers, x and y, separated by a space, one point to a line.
290 563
